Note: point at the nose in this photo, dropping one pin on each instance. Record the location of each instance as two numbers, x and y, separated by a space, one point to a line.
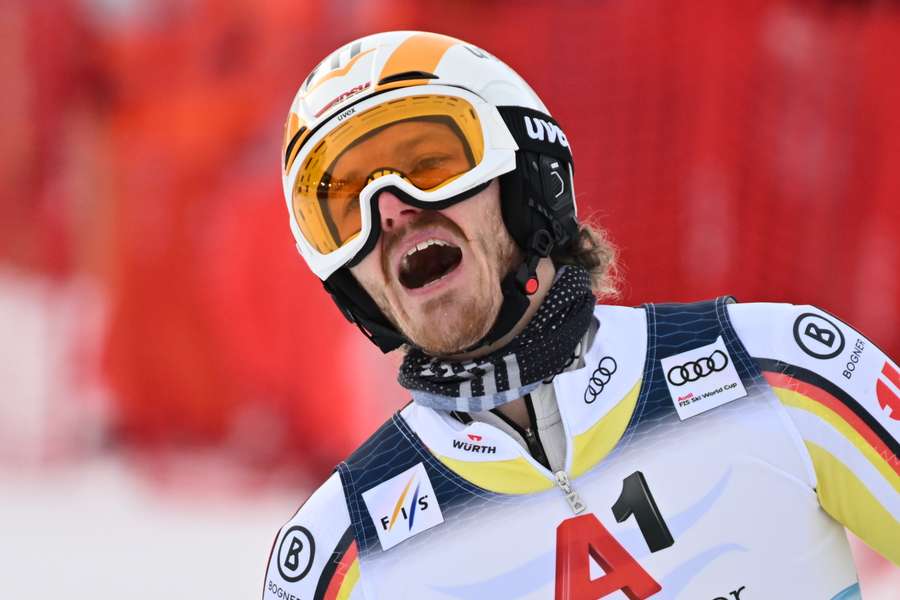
394 212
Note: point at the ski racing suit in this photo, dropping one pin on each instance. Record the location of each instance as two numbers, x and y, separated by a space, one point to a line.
710 451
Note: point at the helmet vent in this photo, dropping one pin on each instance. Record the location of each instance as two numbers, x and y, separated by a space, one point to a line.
407 75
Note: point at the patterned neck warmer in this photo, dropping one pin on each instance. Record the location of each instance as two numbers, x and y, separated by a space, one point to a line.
543 349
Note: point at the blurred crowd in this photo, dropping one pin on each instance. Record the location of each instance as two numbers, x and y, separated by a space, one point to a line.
743 148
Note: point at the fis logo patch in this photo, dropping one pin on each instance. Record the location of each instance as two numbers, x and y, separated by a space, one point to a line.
403 506
702 379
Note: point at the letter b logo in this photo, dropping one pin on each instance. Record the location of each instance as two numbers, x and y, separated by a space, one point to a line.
296 553
293 556
825 336
818 336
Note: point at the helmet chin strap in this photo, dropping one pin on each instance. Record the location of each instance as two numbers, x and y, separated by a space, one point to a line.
517 287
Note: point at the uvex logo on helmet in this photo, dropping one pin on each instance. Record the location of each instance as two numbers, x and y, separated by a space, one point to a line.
538 128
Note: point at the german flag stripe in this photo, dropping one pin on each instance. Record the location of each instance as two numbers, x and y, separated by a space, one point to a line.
337 567
818 389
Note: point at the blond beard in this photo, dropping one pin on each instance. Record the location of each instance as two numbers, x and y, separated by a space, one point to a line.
459 323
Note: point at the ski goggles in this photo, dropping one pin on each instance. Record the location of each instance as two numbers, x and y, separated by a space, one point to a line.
432 144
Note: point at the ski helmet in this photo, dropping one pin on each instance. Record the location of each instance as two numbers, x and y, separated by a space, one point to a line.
437 86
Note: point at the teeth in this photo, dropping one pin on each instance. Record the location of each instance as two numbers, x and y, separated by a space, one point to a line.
423 245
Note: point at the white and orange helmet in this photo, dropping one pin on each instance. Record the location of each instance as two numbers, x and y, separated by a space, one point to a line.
404 87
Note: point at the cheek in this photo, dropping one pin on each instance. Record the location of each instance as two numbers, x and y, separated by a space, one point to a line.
369 275
480 221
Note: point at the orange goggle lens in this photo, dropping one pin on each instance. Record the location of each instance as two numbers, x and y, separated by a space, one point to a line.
428 140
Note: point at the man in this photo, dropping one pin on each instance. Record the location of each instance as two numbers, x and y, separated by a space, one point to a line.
555 448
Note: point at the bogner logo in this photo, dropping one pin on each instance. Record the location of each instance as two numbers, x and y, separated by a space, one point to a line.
474 447
296 553
818 336
538 128
403 506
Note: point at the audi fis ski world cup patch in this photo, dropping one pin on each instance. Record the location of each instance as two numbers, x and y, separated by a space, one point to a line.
702 379
403 506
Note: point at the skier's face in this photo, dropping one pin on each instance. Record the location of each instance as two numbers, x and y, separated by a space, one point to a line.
436 274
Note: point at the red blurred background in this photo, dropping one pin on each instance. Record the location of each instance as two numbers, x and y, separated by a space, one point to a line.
749 148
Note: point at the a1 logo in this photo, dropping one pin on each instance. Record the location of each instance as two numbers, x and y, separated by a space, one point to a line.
582 538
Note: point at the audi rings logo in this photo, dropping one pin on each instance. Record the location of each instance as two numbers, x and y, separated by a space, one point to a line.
697 369
599 378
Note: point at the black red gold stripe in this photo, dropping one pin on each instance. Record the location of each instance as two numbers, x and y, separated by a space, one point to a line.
337 567
823 391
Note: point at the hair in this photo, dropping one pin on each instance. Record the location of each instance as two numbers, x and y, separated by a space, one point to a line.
593 250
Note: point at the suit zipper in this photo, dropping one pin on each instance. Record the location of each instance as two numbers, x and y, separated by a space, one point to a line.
537 451
572 497
532 441
531 436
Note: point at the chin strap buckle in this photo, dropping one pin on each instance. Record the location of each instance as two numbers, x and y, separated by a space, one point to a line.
526 275
542 243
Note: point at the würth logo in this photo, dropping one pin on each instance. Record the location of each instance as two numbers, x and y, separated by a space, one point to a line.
538 128
475 448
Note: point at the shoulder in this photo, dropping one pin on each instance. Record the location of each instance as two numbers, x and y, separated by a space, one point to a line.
618 347
801 335
812 347
620 326
314 553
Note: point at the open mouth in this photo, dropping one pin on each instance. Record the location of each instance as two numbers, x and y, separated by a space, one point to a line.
428 262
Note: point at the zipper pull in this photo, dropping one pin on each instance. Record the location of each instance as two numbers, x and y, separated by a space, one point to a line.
575 503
